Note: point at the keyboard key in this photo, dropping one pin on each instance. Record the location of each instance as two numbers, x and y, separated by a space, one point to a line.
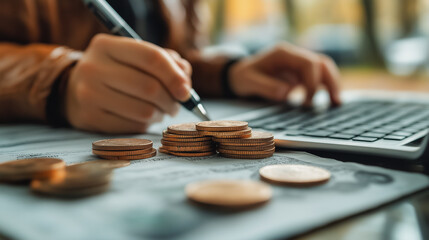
394 137
373 135
342 136
293 133
318 134
393 127
334 129
365 139
402 133
382 130
353 131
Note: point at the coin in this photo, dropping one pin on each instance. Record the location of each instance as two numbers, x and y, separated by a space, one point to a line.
189 144
189 149
187 154
247 148
184 140
294 174
81 176
78 176
183 129
231 134
47 189
241 156
121 153
238 152
166 134
256 137
237 144
229 193
221 126
29 168
109 164
122 144
133 157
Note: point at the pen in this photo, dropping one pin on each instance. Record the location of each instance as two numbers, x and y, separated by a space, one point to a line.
117 25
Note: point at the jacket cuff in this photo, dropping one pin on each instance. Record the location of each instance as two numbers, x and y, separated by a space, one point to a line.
226 86
55 112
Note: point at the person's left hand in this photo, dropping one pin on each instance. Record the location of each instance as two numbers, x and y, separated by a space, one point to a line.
273 74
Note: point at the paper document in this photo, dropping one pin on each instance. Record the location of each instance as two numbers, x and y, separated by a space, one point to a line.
147 199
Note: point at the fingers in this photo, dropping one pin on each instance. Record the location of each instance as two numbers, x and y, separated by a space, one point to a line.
305 63
114 124
183 64
330 78
127 107
311 68
144 87
148 58
269 87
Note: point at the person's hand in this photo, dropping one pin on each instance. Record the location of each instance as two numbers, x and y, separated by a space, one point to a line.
273 74
121 85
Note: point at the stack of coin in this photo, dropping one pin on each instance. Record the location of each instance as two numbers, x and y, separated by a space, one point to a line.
123 149
258 145
224 129
184 140
78 180
30 168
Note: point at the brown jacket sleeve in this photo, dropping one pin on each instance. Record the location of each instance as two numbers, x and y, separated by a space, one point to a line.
26 77
36 42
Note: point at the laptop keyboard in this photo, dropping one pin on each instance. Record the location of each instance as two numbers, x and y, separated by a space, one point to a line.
359 121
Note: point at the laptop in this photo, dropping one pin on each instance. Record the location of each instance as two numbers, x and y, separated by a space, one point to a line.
393 126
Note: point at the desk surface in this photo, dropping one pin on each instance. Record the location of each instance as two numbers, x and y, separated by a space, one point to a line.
380 80
390 222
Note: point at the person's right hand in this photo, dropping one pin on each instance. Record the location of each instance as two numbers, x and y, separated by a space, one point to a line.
121 85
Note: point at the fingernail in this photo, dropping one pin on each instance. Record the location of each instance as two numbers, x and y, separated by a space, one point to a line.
183 92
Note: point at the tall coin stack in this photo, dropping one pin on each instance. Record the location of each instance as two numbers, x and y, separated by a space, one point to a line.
184 140
259 145
234 138
123 149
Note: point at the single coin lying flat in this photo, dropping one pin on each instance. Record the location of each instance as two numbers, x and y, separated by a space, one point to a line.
183 129
294 174
231 134
221 126
76 181
229 193
109 164
152 153
255 138
122 153
190 149
30 168
121 144
247 148
187 154
188 144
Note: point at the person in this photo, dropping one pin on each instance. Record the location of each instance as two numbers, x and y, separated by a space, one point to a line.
59 65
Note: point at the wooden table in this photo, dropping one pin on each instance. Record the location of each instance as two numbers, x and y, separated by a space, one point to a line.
353 79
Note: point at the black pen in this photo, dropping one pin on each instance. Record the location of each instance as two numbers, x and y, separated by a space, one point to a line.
117 25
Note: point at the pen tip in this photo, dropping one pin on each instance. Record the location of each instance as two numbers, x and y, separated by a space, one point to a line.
201 112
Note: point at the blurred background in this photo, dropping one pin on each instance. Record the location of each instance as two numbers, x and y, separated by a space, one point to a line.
390 36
